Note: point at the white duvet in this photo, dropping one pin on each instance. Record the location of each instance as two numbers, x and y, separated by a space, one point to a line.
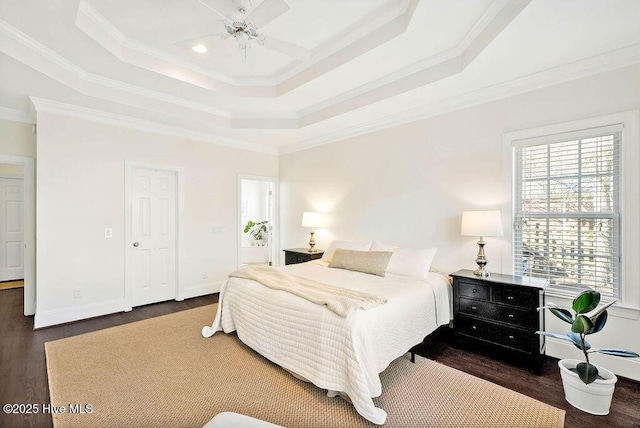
338 354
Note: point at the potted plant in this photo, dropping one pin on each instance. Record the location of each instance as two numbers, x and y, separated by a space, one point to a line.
586 386
257 230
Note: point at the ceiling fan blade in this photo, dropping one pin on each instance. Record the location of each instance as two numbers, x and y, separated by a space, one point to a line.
287 48
266 12
224 8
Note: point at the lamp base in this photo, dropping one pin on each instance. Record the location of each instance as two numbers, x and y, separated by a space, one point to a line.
482 272
312 242
481 260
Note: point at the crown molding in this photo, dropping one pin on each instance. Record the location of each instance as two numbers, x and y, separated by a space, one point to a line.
53 65
612 60
429 70
70 110
16 115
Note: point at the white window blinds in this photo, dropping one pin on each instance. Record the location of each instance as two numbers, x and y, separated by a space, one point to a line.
567 209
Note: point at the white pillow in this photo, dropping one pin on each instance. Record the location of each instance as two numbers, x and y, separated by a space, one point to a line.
411 262
379 246
347 245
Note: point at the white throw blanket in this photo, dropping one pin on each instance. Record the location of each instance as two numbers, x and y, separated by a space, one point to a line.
338 300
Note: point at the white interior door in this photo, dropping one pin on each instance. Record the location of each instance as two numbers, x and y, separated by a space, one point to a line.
153 231
11 229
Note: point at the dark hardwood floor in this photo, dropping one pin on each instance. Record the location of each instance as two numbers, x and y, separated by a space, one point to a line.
23 375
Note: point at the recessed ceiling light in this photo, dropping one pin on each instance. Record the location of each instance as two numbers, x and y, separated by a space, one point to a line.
200 48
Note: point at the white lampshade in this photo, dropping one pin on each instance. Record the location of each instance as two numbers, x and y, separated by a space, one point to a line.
481 223
312 219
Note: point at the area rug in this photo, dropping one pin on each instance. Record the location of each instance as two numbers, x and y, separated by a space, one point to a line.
161 372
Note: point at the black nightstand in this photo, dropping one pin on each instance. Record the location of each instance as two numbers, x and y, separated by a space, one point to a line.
300 255
500 311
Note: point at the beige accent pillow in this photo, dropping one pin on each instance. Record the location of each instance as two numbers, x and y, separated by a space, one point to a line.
372 262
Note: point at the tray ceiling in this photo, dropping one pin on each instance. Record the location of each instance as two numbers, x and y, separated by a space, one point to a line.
332 66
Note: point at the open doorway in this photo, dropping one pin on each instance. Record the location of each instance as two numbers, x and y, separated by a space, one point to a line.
11 226
17 227
258 221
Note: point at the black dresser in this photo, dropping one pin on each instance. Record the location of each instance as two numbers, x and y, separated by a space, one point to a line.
500 311
300 255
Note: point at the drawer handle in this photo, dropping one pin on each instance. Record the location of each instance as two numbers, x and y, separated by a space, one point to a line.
473 307
510 315
510 336
475 290
474 327
510 297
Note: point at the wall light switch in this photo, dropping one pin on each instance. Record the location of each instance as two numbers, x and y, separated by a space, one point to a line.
108 232
216 230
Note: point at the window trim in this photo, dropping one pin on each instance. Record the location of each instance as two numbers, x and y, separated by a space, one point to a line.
629 192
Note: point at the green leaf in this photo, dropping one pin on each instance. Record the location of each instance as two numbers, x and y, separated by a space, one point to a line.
618 353
587 372
602 309
555 335
586 301
582 324
563 314
598 322
248 227
582 345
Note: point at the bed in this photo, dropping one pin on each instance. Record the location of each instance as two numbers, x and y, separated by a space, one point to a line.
343 355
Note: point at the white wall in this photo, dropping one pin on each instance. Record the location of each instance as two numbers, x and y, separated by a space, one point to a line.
409 185
81 191
17 139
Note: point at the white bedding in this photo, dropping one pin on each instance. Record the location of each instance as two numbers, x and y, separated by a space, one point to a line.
335 353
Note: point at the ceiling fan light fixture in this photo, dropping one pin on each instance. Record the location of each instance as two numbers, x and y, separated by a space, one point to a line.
239 26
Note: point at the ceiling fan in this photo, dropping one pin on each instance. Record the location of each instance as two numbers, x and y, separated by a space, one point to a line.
244 27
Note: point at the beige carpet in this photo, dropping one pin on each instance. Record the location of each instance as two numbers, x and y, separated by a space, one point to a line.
162 373
11 284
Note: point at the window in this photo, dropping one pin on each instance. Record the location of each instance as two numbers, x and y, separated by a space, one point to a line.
567 212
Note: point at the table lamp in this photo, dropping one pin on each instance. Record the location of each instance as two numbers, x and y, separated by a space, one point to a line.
481 223
312 220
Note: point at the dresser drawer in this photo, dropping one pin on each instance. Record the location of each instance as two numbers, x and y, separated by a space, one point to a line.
478 308
493 312
473 289
517 317
290 259
494 333
512 297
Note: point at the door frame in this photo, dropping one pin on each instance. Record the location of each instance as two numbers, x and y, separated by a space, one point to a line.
29 225
128 238
276 216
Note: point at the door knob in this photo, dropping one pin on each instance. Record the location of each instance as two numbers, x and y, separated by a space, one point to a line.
135 244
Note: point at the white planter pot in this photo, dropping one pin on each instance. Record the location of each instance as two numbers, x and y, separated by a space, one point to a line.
594 398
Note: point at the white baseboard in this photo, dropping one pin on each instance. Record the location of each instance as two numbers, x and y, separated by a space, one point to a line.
202 289
627 367
76 313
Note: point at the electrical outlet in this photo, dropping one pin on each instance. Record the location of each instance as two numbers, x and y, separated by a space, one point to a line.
205 275
216 230
77 293
108 232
